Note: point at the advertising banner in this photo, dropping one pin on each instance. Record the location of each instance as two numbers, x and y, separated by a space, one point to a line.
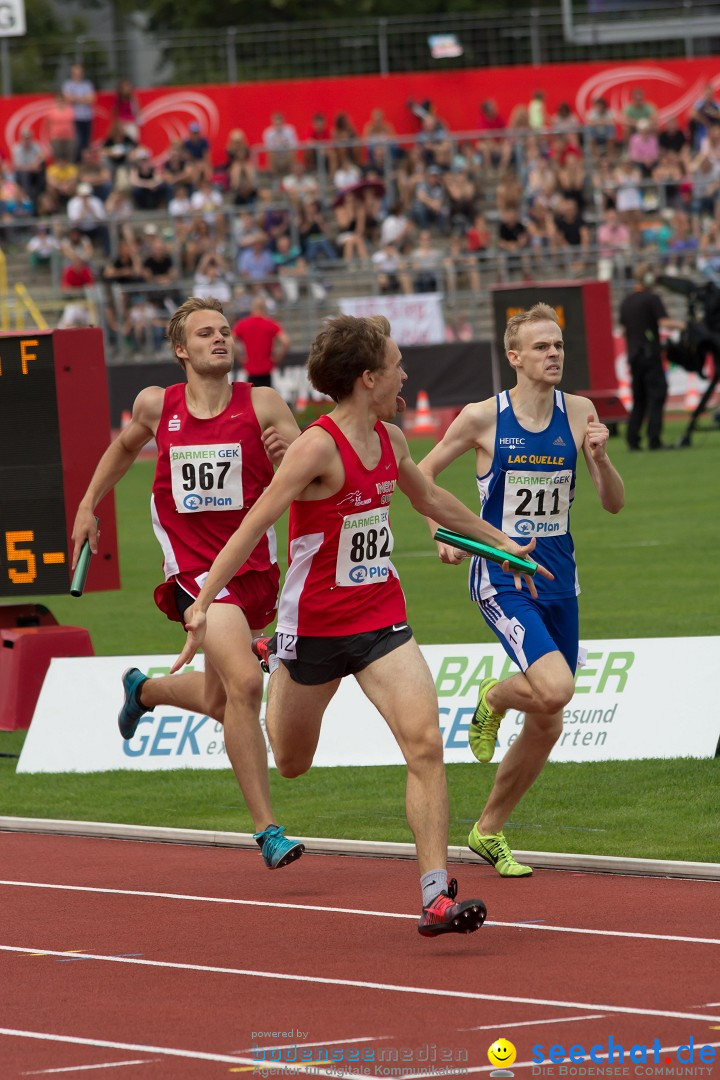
415 320
620 711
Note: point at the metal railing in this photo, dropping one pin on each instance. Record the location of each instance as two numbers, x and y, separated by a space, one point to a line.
528 35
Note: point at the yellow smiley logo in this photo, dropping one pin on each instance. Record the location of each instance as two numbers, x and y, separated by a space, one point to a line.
502 1053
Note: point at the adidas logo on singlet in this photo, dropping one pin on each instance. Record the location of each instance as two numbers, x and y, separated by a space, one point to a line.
174 424
559 441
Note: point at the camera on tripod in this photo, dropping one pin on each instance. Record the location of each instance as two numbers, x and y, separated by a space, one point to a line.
702 330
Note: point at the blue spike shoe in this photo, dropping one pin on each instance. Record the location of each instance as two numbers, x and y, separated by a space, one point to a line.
277 849
132 711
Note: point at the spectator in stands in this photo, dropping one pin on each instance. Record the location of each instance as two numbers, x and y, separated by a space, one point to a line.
708 261
42 247
280 140
683 243
208 201
396 227
508 192
118 147
614 247
541 230
513 240
87 213
76 276
94 170
426 262
28 161
149 190
58 128
196 239
274 220
704 115
627 180
314 234
179 206
572 181
176 169
126 109
125 269
160 272
672 137
572 236
564 119
705 174
638 108
378 134
197 152
61 179
462 198
15 205
537 114
263 343
644 148
341 155
346 176
669 176
479 238
431 205
79 92
461 267
212 278
350 216
299 185
319 132
256 266
491 121
434 143
144 324
292 271
601 127
237 154
391 271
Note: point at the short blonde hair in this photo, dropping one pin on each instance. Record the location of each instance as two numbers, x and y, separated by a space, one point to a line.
537 313
176 326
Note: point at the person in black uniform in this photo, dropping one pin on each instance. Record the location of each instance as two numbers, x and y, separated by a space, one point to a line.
642 313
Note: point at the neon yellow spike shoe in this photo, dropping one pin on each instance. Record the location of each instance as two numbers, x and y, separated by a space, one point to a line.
494 850
482 735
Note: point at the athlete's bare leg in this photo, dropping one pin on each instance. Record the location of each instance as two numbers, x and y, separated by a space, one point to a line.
192 691
293 719
401 687
542 692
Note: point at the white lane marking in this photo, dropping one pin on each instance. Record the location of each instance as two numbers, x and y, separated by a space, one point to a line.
169 1051
318 980
84 1068
534 1023
357 911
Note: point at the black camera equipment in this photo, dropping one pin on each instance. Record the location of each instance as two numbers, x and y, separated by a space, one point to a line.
699 339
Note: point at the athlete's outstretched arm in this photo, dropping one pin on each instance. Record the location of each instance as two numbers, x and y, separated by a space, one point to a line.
114 463
440 505
605 477
307 459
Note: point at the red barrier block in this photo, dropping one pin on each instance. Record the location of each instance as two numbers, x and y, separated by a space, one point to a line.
25 655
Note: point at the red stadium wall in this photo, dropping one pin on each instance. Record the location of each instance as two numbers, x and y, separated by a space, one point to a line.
673 85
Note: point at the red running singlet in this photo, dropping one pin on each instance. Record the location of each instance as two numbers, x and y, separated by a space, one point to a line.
208 475
340 580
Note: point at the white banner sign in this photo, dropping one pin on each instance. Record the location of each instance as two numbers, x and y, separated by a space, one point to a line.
636 698
414 320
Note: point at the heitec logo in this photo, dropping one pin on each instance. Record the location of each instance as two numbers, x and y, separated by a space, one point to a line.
192 502
524 527
358 574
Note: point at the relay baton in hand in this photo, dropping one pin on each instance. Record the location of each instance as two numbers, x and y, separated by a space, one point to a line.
485 551
81 570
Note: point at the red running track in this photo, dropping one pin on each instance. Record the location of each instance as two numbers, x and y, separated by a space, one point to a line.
159 960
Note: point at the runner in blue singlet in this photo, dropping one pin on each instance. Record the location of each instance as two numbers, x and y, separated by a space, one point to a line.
526 442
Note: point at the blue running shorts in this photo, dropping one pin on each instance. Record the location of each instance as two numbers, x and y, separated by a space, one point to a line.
528 629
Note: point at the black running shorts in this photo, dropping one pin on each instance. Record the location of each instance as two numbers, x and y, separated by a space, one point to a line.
315 660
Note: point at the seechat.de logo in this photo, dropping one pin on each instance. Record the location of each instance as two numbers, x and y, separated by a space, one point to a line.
192 502
358 574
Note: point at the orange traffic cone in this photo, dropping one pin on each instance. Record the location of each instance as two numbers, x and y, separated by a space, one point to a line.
301 401
624 388
425 423
692 392
125 418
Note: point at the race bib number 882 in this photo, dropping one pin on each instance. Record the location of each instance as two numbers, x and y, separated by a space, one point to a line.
364 548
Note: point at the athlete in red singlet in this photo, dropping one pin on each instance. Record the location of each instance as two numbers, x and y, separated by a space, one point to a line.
342 611
217 443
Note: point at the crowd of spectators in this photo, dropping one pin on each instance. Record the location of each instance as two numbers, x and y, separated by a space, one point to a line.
528 195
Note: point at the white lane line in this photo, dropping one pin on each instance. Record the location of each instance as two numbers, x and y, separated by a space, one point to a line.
169 1051
363 985
356 911
85 1068
535 1023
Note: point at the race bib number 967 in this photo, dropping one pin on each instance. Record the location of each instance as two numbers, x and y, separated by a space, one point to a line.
206 477
536 503
364 548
